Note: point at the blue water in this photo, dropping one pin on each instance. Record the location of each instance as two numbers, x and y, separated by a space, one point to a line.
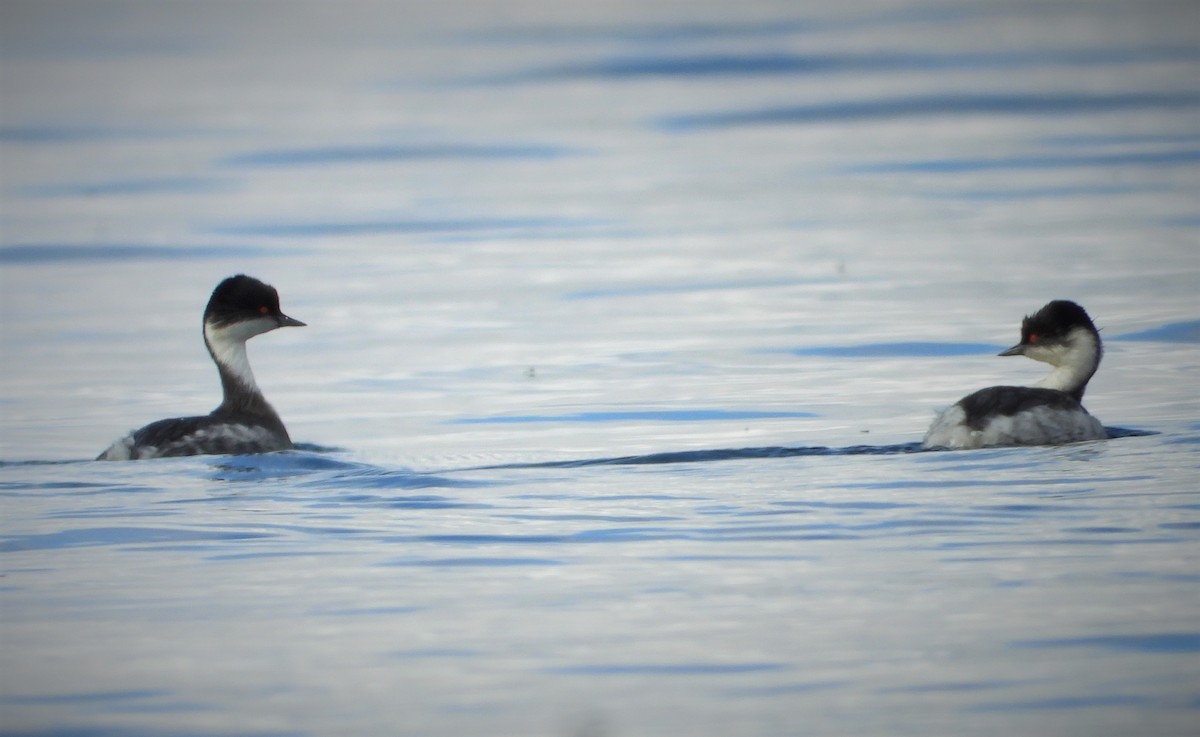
624 325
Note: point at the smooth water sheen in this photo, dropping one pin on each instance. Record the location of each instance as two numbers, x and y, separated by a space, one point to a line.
624 324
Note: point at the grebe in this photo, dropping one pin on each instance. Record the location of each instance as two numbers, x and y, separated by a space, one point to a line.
240 308
1050 413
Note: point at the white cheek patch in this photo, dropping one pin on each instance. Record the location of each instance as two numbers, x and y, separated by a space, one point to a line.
241 331
1051 354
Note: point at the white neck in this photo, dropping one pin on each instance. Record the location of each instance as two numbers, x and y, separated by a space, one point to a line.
1074 361
228 347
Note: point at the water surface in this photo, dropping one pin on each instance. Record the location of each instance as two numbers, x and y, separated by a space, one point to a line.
624 325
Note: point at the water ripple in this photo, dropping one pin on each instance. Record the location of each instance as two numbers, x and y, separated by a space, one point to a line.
426 226
1187 331
913 349
1162 642
133 187
106 536
39 253
666 669
708 65
689 415
1185 157
945 105
369 154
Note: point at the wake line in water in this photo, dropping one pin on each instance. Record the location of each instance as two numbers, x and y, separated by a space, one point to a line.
720 454
732 454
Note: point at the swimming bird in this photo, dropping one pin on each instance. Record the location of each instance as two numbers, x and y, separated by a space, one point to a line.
240 308
1050 413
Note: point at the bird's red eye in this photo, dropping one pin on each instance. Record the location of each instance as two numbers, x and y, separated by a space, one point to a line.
263 310
1033 337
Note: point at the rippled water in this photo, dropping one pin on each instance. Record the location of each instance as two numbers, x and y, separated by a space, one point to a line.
624 323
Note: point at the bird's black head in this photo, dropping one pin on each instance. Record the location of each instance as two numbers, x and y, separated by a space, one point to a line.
1053 322
1047 332
243 298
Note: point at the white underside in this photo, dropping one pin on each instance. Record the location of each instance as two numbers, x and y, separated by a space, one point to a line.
1037 426
210 440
